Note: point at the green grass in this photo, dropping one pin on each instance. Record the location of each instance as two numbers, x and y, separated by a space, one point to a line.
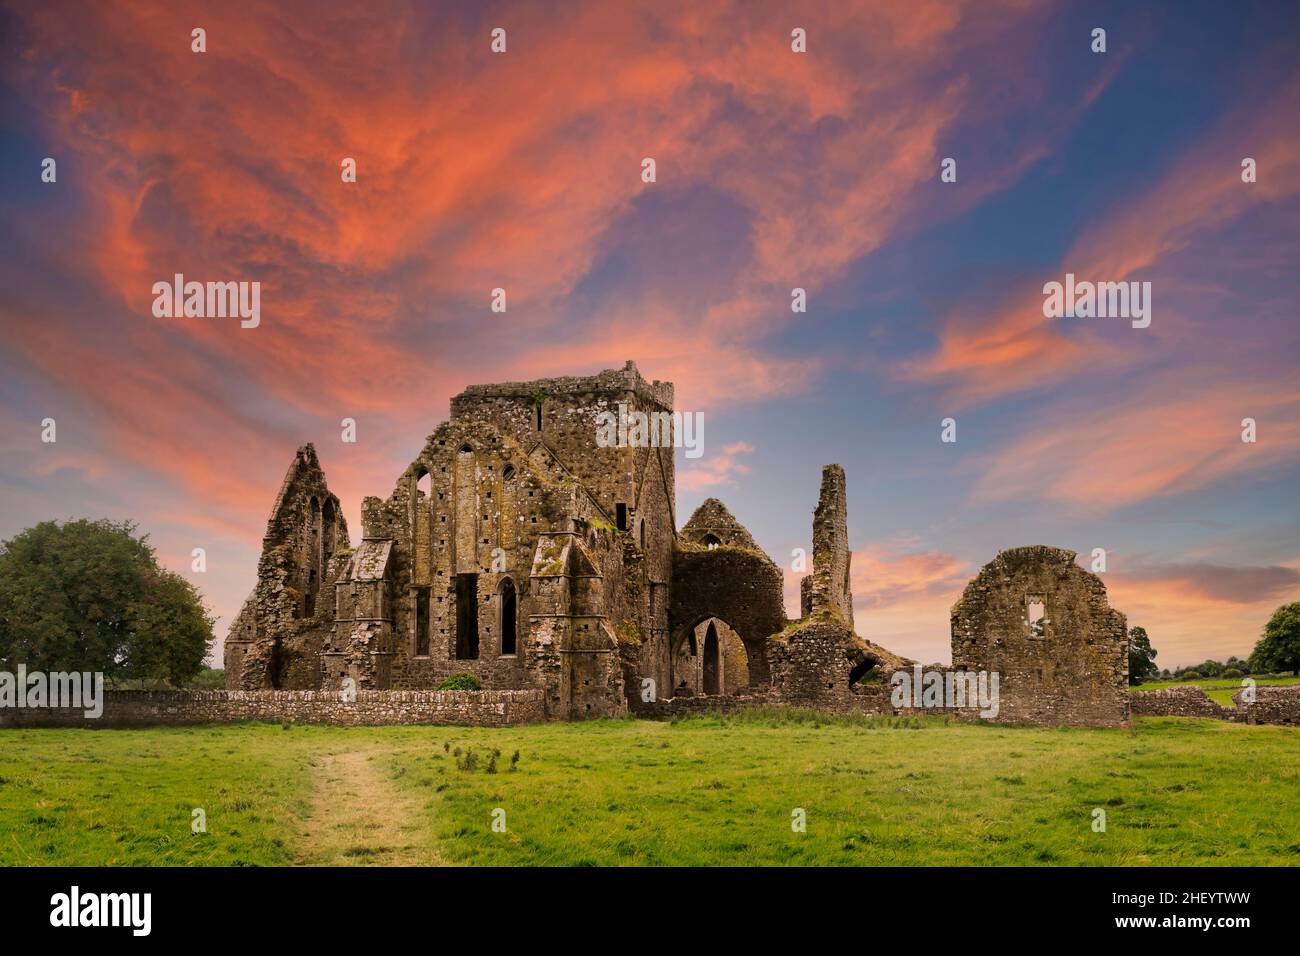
1218 689
703 791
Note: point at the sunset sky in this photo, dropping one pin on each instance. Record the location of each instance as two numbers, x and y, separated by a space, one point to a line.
775 170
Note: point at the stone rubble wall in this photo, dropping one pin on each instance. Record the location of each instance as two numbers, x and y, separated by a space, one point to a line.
1177 702
372 708
1272 705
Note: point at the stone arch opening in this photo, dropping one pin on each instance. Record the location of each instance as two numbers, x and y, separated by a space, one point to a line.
710 657
740 587
864 670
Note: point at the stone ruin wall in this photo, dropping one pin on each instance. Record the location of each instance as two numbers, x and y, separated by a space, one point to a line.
1068 669
827 591
130 708
600 608
1272 705
820 661
278 635
740 587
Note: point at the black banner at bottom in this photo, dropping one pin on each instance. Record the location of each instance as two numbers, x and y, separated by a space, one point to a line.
331 905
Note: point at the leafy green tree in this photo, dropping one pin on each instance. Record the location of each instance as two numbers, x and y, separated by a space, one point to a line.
1279 646
1141 656
90 596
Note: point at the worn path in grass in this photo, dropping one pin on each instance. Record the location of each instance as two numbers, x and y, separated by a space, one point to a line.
358 817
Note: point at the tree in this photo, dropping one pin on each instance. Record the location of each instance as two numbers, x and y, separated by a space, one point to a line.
1141 656
1210 668
90 596
1279 646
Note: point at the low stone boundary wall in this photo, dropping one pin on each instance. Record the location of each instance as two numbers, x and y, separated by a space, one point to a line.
144 708
1272 705
1177 702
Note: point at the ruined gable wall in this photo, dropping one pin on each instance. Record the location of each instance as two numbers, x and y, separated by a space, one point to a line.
286 621
1073 673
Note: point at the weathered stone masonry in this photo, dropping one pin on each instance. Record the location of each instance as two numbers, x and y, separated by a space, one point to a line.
152 708
1272 705
518 548
1043 624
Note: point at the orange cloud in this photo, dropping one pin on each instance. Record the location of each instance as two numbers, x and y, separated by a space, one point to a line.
715 470
1180 433
1012 348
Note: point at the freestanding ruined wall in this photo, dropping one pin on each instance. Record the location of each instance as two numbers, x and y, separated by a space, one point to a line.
277 637
818 662
1043 624
826 592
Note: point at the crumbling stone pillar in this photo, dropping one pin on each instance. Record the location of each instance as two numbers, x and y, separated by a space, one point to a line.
826 593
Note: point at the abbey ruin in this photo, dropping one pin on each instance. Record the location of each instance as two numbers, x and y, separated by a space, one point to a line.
518 548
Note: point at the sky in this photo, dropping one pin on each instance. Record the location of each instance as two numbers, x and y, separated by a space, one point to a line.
774 170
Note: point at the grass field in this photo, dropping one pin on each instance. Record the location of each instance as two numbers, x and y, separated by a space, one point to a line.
712 791
1218 689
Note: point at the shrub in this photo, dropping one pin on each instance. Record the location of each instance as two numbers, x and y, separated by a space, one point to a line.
1232 672
461 682
469 762
1191 675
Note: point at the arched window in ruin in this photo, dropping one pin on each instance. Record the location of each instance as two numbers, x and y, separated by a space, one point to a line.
712 541
507 472
422 526
712 672
509 617
641 532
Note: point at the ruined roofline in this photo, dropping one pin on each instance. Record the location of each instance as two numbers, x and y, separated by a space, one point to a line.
304 458
609 382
